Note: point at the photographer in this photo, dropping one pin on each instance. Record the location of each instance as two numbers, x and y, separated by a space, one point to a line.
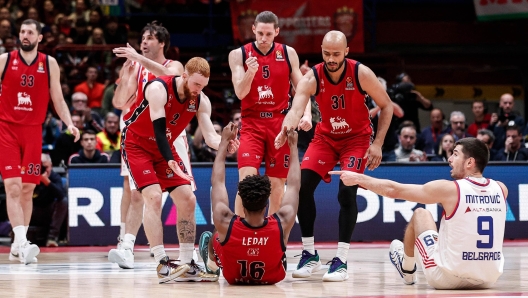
410 100
505 117
50 203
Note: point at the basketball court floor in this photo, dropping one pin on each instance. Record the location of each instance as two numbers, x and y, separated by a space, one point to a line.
85 272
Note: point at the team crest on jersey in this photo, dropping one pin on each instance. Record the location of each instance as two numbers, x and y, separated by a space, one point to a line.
279 56
349 84
192 105
169 173
22 170
40 67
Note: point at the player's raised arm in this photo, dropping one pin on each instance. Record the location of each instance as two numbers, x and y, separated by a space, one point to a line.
125 93
220 202
241 78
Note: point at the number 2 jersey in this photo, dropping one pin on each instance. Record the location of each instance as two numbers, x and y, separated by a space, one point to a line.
253 255
470 239
24 93
343 108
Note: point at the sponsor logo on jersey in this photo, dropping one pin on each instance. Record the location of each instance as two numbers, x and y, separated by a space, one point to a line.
192 105
266 115
245 154
279 56
264 92
168 133
272 162
24 100
22 170
15 63
146 172
322 87
8 168
338 123
321 162
349 84
253 252
40 67
169 173
257 156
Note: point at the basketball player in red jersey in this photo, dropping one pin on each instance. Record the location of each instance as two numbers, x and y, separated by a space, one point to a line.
261 75
170 102
28 79
250 249
155 41
344 135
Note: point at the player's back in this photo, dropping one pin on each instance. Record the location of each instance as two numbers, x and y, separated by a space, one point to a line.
470 239
254 255
24 94
344 112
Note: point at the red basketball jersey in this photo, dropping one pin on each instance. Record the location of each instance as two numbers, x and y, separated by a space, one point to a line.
344 112
24 94
177 112
254 255
271 85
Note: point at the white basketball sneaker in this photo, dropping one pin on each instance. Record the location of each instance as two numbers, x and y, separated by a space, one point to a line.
307 264
15 256
338 271
396 256
124 258
27 252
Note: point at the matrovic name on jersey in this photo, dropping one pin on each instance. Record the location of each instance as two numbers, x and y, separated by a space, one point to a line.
476 199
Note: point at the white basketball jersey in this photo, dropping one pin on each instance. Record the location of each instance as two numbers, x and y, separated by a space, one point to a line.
470 239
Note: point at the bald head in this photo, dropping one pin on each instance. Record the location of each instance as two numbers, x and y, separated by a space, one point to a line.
335 38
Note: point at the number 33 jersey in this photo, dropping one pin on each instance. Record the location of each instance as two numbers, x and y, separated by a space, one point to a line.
253 255
470 239
24 94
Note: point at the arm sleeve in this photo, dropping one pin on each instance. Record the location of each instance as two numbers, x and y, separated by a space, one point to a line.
160 126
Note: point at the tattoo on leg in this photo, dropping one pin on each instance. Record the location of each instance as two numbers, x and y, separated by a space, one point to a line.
186 231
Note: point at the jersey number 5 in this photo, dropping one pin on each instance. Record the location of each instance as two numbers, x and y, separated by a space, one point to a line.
256 269
265 71
27 80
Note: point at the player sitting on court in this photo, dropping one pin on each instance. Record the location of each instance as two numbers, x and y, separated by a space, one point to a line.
250 249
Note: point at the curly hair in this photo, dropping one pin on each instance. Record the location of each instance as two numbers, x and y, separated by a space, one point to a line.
254 191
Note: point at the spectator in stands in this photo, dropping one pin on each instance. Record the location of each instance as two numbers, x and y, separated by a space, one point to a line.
487 136
88 153
506 116
114 33
482 119
95 20
512 150
49 13
50 202
5 32
34 14
6 15
65 145
405 151
458 126
93 89
97 56
80 13
51 130
446 147
80 33
92 120
204 152
430 137
410 100
109 140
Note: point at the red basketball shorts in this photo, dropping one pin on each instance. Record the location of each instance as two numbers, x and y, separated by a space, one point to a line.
20 151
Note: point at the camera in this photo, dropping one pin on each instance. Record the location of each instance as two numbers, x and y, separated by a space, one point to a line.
401 91
505 116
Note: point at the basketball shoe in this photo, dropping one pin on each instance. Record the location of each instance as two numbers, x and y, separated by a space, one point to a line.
119 242
196 273
14 255
124 258
396 256
168 270
203 247
337 272
307 264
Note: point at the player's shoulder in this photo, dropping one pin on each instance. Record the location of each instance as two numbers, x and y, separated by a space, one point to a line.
235 53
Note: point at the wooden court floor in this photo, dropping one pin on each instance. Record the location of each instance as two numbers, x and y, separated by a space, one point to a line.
85 272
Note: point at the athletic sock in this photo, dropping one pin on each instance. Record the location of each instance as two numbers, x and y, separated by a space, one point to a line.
309 244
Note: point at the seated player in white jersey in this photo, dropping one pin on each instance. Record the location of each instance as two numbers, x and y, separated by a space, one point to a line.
467 251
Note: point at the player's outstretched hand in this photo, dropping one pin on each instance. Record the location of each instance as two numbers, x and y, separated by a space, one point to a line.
127 52
178 171
349 178
374 157
292 138
229 132
75 132
281 138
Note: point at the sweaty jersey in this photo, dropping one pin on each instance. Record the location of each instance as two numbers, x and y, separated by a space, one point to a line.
254 255
344 112
24 94
271 85
470 239
178 112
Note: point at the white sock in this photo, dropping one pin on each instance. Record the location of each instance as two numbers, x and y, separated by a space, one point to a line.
408 263
186 252
309 244
212 265
128 242
159 252
122 231
342 251
27 228
20 235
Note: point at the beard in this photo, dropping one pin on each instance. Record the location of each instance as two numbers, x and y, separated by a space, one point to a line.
187 92
338 66
29 47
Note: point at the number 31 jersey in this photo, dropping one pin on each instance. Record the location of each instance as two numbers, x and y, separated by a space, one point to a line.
24 94
470 239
